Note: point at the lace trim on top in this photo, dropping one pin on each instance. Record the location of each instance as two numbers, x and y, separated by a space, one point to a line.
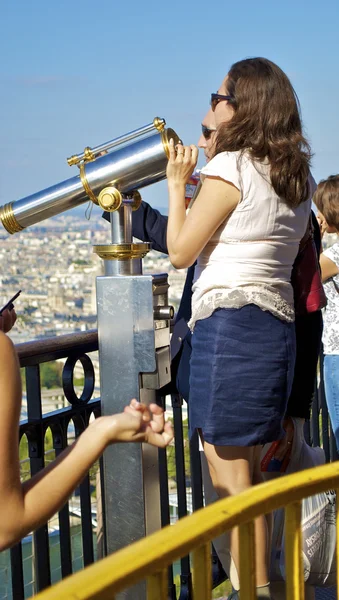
238 297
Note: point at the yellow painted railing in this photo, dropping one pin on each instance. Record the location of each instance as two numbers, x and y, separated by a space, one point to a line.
149 558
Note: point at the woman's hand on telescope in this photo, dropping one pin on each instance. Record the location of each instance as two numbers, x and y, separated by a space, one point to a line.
181 164
138 423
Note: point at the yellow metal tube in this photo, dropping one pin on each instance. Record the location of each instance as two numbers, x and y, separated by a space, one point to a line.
247 561
143 558
293 556
157 585
202 575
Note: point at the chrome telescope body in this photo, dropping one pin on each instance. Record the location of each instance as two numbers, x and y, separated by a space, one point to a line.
106 173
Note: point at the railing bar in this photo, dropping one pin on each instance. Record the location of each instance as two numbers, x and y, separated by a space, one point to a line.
293 552
101 507
157 586
165 510
86 521
324 409
325 430
42 567
42 574
63 413
181 480
17 574
65 541
196 475
179 457
202 574
47 349
164 491
59 442
247 561
315 417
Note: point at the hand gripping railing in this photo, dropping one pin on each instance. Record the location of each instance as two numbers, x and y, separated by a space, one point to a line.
150 557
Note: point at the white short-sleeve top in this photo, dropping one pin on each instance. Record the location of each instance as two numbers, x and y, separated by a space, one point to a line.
249 258
331 312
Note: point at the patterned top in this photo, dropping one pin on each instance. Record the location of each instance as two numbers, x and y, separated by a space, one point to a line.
250 256
331 312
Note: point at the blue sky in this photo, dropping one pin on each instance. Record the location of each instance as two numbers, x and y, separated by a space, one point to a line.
80 73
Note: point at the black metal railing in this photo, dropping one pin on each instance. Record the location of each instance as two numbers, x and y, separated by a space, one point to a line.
80 406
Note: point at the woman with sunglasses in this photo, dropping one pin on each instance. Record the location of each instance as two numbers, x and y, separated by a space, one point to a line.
244 231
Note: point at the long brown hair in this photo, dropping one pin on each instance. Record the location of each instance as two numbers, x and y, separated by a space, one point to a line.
267 124
326 199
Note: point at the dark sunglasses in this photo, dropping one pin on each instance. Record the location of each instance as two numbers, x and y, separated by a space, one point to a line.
216 98
207 132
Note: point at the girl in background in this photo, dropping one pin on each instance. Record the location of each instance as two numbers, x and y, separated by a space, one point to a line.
326 199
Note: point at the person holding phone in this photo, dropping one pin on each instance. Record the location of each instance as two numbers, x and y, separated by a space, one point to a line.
7 320
8 314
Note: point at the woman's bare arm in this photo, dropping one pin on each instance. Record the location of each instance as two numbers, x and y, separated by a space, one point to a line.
328 267
188 235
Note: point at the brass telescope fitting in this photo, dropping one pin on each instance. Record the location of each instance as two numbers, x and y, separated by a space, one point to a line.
86 185
8 219
110 199
122 251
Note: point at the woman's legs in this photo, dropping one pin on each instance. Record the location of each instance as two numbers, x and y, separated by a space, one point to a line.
331 382
232 472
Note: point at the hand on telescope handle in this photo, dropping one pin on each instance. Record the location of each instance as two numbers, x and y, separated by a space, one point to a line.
7 320
139 423
181 164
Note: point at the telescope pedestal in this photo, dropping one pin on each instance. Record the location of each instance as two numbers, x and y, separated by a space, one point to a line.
134 361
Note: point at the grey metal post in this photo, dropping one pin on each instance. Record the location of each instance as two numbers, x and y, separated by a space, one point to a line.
127 348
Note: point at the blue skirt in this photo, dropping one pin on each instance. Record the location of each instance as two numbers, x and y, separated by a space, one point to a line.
242 367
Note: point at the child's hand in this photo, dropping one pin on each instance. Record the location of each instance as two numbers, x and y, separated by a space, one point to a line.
140 423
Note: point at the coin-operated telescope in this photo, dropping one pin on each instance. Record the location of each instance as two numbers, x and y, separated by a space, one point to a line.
122 165
133 314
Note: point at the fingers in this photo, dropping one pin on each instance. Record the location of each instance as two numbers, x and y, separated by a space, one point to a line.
172 153
152 429
180 153
158 418
135 408
195 154
161 440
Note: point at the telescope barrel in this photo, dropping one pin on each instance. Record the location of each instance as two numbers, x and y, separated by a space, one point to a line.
158 124
128 168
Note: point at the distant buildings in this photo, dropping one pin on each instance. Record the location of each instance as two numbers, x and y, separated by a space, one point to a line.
54 265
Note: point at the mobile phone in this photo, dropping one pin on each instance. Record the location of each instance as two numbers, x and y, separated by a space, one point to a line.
10 305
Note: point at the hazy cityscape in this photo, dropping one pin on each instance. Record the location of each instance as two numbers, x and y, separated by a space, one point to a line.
54 265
